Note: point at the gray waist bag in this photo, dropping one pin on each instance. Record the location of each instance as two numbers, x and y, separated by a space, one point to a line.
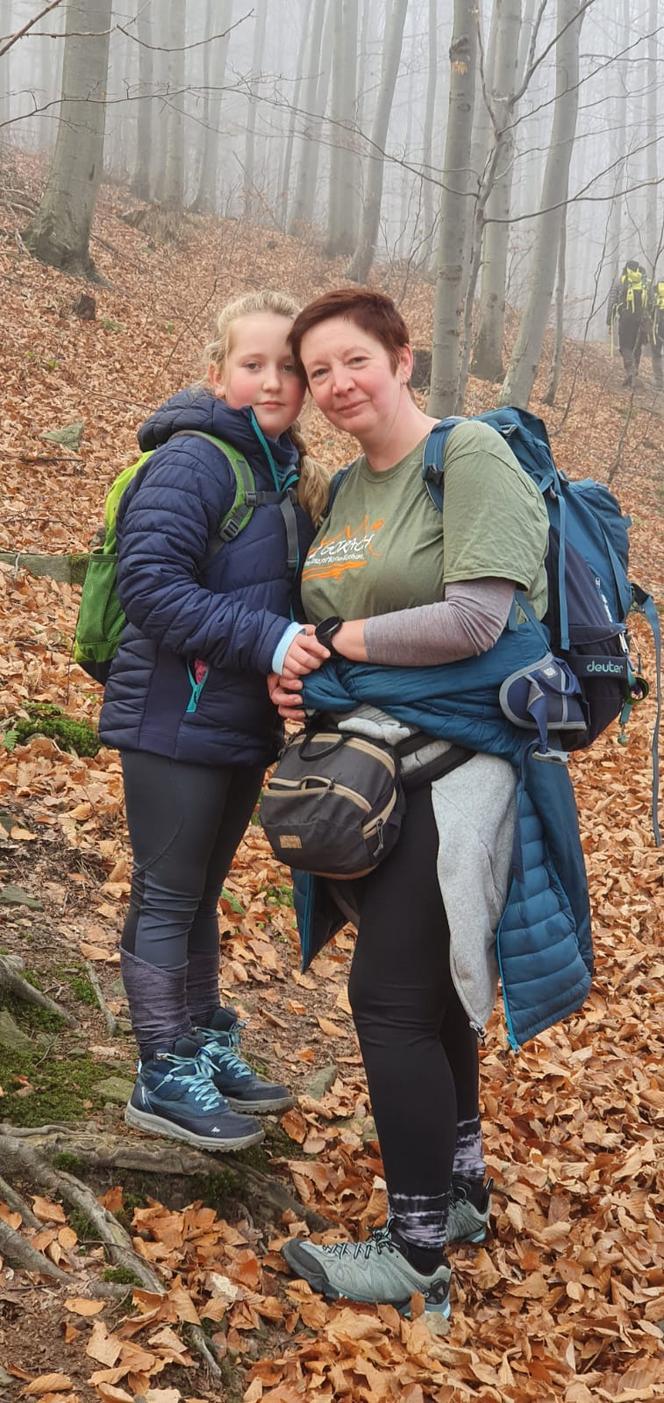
333 804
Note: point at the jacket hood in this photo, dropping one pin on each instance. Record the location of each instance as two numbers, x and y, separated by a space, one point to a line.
195 408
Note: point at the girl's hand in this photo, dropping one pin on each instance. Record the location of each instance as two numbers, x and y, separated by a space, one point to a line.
286 695
305 654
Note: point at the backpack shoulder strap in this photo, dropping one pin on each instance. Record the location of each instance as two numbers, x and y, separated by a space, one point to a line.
433 465
245 501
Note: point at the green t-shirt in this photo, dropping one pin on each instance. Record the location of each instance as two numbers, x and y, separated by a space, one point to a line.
384 546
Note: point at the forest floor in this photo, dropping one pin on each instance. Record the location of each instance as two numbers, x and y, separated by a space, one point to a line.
565 1300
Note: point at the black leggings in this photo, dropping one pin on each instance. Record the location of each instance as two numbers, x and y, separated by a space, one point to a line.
185 823
419 1051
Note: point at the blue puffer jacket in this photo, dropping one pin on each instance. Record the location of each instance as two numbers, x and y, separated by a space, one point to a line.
543 941
231 612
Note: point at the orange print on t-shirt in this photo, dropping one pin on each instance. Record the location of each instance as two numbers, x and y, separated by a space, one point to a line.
349 549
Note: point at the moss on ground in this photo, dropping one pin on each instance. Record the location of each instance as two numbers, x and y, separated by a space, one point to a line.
29 1016
80 985
43 1086
43 719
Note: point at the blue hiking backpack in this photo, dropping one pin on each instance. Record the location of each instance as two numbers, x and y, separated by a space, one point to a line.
590 594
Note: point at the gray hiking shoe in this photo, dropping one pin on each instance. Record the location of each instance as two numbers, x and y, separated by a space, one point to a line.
373 1272
466 1222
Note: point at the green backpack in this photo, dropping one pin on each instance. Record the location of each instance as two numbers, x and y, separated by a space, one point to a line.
101 618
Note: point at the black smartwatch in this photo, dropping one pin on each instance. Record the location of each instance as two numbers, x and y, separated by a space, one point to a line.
325 633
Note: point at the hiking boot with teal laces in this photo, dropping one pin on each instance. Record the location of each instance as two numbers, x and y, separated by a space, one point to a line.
174 1095
233 1077
373 1272
468 1219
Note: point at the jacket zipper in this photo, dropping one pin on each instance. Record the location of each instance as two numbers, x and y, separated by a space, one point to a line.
196 689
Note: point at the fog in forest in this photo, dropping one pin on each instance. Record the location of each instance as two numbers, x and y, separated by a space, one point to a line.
507 152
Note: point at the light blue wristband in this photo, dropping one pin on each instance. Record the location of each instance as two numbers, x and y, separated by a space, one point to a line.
283 645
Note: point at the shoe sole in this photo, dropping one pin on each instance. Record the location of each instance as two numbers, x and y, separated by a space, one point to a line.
303 1267
156 1125
261 1108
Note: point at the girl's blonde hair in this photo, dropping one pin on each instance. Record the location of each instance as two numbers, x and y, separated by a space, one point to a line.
314 483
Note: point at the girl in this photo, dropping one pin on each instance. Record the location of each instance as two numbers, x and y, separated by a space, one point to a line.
187 707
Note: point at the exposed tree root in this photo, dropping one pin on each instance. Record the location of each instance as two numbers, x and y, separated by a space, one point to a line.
12 982
15 1202
28 1162
97 1149
20 1253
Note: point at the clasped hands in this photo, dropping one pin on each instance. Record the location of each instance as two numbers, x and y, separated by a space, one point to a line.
305 655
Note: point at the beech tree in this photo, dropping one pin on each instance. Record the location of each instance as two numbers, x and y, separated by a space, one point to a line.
219 18
429 115
652 230
60 231
141 183
527 350
368 235
501 85
344 167
173 195
314 98
455 214
250 200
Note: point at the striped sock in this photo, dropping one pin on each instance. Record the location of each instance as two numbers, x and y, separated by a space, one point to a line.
421 1219
468 1157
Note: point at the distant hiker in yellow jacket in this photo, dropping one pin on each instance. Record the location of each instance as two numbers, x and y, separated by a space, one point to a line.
627 311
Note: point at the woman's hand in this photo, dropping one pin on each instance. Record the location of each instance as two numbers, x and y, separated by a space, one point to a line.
286 695
305 654
349 641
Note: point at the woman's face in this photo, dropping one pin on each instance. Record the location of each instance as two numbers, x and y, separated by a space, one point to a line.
352 378
259 371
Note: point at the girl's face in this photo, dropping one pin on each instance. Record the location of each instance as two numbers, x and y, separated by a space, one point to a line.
259 371
352 379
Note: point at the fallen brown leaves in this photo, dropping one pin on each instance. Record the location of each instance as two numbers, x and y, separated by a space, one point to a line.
565 1303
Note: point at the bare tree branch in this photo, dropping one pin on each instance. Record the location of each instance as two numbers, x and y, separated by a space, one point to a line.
14 38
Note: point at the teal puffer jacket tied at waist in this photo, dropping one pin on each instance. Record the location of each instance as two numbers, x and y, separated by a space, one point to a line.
543 940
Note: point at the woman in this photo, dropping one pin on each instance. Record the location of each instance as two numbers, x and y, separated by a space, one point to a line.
186 704
392 582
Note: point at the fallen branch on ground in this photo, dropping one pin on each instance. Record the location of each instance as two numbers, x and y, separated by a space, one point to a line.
109 1018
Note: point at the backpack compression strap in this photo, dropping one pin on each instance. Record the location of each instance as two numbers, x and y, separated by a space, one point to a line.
645 604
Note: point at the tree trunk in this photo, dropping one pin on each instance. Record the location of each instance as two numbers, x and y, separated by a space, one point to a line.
488 355
6 80
619 121
344 172
144 155
314 97
393 39
221 17
522 370
250 195
557 358
174 182
482 124
455 213
285 181
427 135
60 231
652 232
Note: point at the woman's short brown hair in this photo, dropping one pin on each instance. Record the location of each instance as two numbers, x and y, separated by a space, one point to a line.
374 312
